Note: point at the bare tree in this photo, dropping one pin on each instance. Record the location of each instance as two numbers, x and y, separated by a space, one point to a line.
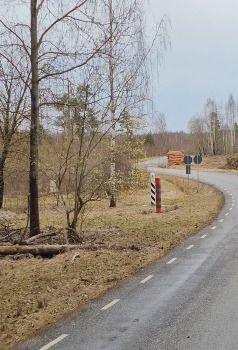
197 128
14 109
230 115
82 146
57 39
212 121
160 130
83 153
127 54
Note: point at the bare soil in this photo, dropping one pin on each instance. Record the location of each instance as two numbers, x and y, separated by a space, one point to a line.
117 242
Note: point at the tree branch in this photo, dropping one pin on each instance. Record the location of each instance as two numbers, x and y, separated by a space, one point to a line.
58 20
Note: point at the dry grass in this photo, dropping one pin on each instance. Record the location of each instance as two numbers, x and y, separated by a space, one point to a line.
37 292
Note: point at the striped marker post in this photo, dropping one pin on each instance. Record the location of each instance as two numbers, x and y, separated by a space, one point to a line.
158 194
152 189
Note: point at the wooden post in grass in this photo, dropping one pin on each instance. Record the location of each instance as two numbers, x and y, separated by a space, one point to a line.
158 194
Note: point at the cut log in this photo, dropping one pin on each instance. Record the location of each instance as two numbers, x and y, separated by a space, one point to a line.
45 251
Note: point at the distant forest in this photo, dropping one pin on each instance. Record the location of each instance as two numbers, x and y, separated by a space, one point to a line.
213 131
158 144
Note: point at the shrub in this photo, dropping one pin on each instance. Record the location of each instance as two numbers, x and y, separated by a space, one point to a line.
232 162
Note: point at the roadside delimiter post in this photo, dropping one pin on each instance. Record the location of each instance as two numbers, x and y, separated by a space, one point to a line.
158 194
152 188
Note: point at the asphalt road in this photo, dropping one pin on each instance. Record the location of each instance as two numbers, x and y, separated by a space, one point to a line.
188 300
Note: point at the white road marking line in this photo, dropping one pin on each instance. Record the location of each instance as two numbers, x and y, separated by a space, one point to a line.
110 304
221 220
230 209
146 279
233 204
53 342
171 261
227 214
214 227
203 236
190 247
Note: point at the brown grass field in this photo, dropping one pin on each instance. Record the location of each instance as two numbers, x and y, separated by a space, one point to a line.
37 292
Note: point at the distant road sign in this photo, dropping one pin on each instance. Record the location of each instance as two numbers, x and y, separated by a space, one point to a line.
197 159
188 160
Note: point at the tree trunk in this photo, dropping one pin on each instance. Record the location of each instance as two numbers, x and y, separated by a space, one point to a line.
112 110
1 183
39 250
34 204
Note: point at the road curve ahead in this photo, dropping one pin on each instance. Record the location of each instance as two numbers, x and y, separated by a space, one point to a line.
188 300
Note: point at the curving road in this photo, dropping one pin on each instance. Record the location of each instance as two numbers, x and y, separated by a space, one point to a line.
188 300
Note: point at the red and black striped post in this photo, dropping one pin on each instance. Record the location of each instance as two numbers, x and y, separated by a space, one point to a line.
158 194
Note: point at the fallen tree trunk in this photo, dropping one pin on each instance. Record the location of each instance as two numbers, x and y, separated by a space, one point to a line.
48 251
41 235
39 250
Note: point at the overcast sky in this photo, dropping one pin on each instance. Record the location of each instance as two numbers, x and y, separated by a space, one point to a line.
202 61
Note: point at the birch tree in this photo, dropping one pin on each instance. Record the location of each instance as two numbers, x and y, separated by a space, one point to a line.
126 65
230 116
212 118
